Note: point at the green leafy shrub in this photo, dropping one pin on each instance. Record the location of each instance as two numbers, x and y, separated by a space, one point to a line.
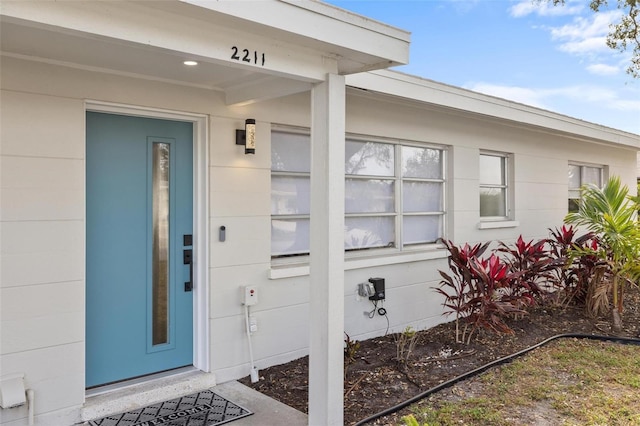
483 292
611 215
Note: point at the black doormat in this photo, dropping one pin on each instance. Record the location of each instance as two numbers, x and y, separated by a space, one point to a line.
204 408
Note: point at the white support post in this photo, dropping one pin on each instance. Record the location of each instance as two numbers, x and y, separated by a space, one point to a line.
326 359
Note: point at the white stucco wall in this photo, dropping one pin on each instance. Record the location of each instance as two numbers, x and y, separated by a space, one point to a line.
42 246
42 224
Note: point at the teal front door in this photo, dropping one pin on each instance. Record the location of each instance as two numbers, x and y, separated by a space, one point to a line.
139 192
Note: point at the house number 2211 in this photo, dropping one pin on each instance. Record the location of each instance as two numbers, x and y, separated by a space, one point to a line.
245 55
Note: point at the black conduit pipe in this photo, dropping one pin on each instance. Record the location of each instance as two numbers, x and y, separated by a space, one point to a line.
504 360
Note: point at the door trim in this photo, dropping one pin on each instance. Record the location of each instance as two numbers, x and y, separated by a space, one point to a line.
201 348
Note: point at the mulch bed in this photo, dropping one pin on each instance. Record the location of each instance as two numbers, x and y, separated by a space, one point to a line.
376 380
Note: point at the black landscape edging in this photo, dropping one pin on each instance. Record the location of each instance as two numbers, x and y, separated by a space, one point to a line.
504 360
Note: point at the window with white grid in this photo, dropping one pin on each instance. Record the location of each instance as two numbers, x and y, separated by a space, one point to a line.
394 194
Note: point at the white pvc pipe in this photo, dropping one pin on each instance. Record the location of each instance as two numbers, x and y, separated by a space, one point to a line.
31 407
254 370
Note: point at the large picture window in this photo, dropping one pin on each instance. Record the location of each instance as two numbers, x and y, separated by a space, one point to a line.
494 189
394 194
581 175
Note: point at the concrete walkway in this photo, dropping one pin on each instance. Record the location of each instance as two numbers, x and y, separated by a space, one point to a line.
266 411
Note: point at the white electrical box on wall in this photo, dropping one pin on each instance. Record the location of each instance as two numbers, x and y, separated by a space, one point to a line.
249 294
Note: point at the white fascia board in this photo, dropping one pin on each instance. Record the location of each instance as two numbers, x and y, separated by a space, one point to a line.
364 43
444 96
168 26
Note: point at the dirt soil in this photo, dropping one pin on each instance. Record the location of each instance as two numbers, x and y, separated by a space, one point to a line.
375 380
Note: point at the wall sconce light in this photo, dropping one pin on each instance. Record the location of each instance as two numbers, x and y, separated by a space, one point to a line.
247 137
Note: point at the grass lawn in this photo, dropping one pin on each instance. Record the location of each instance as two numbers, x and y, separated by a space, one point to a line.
567 382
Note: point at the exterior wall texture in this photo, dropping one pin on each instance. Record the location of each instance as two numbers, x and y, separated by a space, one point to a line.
43 229
42 246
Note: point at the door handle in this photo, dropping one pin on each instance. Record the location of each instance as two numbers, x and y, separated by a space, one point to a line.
187 259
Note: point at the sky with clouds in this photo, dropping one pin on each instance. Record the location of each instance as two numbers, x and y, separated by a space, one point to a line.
528 51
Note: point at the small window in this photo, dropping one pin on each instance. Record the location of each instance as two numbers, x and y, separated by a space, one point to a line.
580 175
494 190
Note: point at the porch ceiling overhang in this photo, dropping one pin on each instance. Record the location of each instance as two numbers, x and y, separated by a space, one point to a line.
429 94
289 45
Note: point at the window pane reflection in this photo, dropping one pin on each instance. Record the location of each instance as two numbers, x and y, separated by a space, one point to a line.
369 159
491 170
422 163
289 236
422 229
290 195
574 177
290 152
492 202
592 175
369 196
369 232
422 197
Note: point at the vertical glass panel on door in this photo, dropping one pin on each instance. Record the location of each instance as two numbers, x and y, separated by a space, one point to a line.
160 256
422 163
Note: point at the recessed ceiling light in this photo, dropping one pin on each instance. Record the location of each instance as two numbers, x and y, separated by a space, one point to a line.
190 63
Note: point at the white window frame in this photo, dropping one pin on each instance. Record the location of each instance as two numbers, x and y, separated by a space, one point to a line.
397 214
398 179
293 258
507 185
583 166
